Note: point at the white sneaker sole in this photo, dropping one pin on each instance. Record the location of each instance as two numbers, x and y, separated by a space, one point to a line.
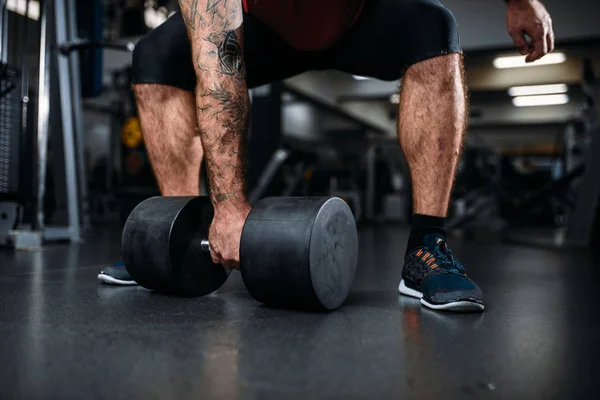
462 305
109 280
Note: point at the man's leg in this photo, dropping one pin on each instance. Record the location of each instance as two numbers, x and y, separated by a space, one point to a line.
431 125
164 81
168 118
432 122
418 41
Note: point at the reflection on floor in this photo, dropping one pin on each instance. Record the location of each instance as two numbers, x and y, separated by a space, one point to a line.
64 335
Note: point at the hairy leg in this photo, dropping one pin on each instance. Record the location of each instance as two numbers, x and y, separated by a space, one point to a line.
431 126
433 117
170 128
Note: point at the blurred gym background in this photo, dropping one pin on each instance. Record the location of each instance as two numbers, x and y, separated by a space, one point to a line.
72 156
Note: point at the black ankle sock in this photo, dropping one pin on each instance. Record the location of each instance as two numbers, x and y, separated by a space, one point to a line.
423 225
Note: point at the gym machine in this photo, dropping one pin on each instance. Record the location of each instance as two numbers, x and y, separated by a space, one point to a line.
15 119
56 27
59 120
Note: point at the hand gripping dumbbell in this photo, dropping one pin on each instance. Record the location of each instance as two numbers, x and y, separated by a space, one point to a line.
298 252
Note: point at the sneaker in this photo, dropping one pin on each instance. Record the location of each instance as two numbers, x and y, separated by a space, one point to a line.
116 274
432 274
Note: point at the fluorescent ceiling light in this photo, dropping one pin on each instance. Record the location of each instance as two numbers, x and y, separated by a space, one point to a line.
19 6
538 89
548 100
360 78
519 61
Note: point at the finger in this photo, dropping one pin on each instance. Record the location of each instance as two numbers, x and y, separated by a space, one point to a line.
540 45
520 41
214 256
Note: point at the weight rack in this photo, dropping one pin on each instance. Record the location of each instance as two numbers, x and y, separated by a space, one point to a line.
59 118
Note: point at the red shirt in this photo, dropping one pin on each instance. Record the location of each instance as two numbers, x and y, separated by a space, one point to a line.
307 24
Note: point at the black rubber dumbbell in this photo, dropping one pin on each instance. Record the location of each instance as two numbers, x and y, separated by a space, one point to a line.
298 252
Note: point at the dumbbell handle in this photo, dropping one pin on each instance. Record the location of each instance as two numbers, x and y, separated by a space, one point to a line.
205 245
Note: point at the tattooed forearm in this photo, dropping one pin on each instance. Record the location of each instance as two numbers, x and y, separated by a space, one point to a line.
226 110
222 98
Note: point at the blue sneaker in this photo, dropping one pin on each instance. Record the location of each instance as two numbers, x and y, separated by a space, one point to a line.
432 274
116 274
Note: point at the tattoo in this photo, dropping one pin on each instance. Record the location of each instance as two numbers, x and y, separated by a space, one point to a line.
218 198
211 5
230 53
212 8
236 106
193 15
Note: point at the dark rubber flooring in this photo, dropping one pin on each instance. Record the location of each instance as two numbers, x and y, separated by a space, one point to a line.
63 335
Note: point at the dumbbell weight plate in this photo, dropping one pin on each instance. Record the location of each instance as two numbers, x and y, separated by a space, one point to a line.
161 246
299 252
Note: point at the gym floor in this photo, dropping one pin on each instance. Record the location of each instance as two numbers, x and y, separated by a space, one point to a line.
64 335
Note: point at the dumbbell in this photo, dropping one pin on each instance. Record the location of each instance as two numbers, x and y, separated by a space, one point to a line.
298 252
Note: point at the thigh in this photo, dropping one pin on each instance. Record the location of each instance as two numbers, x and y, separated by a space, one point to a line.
164 56
391 35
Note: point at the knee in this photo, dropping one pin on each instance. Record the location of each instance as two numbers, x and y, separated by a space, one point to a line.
440 71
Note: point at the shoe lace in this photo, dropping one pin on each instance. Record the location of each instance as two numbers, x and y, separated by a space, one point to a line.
447 260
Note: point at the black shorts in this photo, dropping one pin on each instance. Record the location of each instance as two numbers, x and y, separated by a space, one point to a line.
387 38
